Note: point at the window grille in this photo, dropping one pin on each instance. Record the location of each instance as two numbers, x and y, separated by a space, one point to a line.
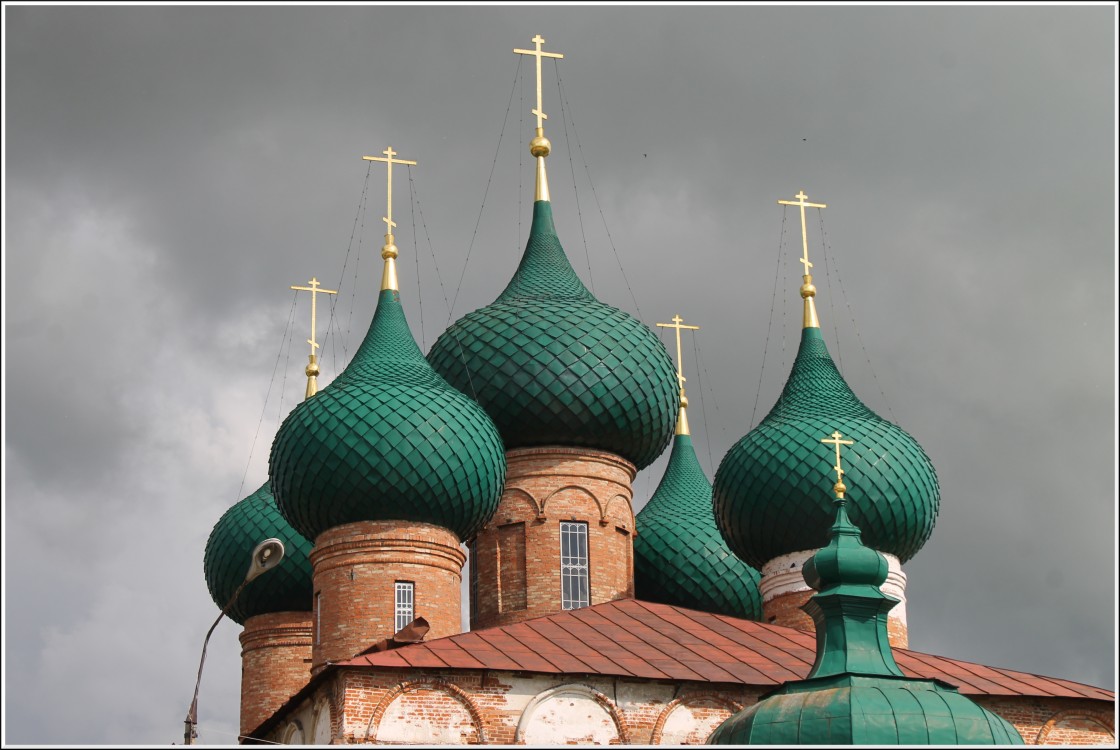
574 568
406 592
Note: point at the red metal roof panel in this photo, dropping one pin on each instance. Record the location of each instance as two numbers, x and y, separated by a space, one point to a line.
631 638
422 658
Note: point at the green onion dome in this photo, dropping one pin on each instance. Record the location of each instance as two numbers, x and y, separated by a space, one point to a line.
771 489
854 710
554 366
285 588
388 439
679 556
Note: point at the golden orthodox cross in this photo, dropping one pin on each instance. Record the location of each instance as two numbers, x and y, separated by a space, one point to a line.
539 53
838 442
677 323
314 289
390 161
804 237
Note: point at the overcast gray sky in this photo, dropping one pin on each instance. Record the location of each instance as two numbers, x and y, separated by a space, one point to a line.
171 171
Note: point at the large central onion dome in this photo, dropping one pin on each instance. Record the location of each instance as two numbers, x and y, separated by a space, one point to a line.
679 556
552 365
388 439
771 489
287 588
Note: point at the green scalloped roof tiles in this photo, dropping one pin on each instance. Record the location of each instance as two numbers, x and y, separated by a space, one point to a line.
773 488
388 439
285 588
679 556
853 710
554 366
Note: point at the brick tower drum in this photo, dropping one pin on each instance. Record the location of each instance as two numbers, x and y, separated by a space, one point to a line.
562 536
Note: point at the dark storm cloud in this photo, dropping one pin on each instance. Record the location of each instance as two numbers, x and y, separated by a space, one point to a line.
170 171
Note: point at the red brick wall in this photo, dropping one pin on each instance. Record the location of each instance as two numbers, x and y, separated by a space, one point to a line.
354 571
275 663
511 567
1055 721
785 609
517 555
487 707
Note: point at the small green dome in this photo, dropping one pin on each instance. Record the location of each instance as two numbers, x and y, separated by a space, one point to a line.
855 693
679 556
772 488
285 588
554 366
853 710
388 439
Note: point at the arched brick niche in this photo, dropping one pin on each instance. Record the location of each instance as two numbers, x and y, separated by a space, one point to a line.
570 715
691 720
321 731
426 713
1077 727
293 733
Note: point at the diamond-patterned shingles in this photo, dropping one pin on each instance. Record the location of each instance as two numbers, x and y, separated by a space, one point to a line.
773 489
602 379
680 557
388 439
286 588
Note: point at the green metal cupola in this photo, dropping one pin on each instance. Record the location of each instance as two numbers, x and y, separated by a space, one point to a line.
679 556
551 364
855 693
388 439
252 520
287 588
770 493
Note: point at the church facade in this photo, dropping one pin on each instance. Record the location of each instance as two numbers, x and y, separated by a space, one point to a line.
624 672
519 435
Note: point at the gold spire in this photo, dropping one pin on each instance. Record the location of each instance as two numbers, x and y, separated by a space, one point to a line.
839 487
312 369
540 146
682 419
389 251
808 291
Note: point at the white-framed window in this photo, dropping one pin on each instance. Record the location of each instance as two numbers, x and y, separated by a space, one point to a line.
574 569
406 601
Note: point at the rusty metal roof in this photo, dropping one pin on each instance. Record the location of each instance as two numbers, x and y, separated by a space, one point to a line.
631 638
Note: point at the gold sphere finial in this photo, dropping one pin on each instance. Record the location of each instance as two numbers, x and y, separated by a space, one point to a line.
390 249
839 489
540 146
684 401
807 289
312 370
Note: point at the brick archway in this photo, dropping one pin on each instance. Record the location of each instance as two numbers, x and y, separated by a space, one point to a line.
692 701
578 691
322 722
1083 722
454 692
569 491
